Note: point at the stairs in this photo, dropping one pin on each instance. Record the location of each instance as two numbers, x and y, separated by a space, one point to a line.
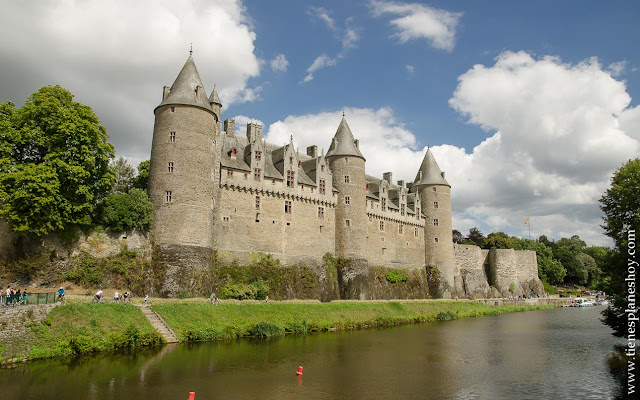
159 324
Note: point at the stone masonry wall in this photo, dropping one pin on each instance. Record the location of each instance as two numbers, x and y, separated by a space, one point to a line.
392 248
15 334
469 271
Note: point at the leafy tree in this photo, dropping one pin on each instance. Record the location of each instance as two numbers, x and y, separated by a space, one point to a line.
621 207
598 253
54 162
125 211
141 181
574 244
590 266
576 272
125 174
475 236
498 240
551 270
457 236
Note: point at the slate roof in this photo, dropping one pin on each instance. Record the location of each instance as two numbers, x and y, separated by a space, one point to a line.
343 143
429 172
183 91
214 98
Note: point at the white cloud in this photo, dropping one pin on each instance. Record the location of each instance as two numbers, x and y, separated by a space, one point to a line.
617 68
241 121
559 132
279 63
115 56
321 61
410 70
418 21
323 15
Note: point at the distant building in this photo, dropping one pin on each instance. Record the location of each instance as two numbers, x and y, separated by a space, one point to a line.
214 190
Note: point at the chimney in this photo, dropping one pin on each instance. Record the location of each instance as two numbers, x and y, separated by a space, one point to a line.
401 183
312 151
357 143
388 176
254 132
229 126
165 92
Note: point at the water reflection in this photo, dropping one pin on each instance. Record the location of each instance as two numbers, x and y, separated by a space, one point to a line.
557 353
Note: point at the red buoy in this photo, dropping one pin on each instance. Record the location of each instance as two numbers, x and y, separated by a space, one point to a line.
299 372
192 396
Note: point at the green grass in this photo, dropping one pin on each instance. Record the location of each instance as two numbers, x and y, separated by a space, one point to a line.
198 321
86 328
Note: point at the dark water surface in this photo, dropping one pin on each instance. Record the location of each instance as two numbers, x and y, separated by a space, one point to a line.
551 354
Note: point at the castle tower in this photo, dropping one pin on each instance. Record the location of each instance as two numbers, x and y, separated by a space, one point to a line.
181 174
347 166
435 204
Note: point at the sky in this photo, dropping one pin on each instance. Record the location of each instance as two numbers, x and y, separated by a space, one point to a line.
528 107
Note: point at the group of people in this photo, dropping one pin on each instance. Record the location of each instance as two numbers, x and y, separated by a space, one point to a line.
117 297
14 297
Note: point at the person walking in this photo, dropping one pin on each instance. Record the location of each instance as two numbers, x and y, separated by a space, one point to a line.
116 297
61 294
213 298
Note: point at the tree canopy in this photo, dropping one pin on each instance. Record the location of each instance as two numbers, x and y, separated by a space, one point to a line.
124 211
141 181
125 175
54 162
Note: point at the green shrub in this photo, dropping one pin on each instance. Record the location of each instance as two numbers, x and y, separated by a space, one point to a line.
85 271
446 316
396 275
29 266
512 287
266 329
125 211
549 288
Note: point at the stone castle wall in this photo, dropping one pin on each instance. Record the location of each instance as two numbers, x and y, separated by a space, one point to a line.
15 331
391 247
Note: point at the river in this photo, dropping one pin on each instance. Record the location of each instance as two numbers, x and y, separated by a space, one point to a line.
550 354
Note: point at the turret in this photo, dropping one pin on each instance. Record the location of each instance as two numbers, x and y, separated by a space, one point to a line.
435 204
216 104
182 162
347 166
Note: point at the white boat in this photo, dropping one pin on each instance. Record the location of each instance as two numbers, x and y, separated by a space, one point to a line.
584 302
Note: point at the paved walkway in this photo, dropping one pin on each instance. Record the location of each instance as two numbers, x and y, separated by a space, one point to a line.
159 324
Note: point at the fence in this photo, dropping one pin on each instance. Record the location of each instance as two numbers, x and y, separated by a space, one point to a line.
28 299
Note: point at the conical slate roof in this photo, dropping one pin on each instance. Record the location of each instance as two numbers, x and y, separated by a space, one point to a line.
429 172
343 143
183 90
214 97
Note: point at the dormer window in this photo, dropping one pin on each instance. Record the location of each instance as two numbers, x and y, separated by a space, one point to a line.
299 164
258 155
383 204
290 160
402 209
290 178
322 168
366 186
234 153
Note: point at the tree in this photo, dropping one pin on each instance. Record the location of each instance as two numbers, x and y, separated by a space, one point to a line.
54 162
574 244
590 266
125 211
498 240
457 236
141 181
621 207
576 272
475 236
125 174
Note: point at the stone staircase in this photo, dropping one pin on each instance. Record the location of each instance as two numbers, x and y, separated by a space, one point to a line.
159 324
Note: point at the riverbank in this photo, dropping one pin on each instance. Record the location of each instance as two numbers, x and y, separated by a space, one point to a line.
83 328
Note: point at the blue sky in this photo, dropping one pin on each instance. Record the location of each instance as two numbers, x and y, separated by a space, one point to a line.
529 106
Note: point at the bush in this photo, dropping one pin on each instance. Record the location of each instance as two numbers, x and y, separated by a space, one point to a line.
85 271
256 290
396 275
266 329
125 211
549 289
446 316
29 266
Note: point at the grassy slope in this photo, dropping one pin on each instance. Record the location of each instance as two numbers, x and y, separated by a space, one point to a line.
85 328
197 321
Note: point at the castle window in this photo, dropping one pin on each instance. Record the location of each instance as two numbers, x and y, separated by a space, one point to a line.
383 202
402 197
311 189
172 137
256 174
382 225
290 178
415 232
322 187
287 207
435 222
435 240
402 209
246 176
320 212
290 160
347 223
299 164
170 167
400 229
434 189
229 173
273 181
366 186
346 160
347 200
418 213
346 179
173 109
234 153
382 239
435 204
225 219
258 155
257 217
383 190
167 197
322 168
257 202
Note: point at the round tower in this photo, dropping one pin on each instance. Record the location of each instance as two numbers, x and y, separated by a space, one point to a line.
182 163
347 166
435 204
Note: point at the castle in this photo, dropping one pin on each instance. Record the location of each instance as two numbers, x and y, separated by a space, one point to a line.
238 195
